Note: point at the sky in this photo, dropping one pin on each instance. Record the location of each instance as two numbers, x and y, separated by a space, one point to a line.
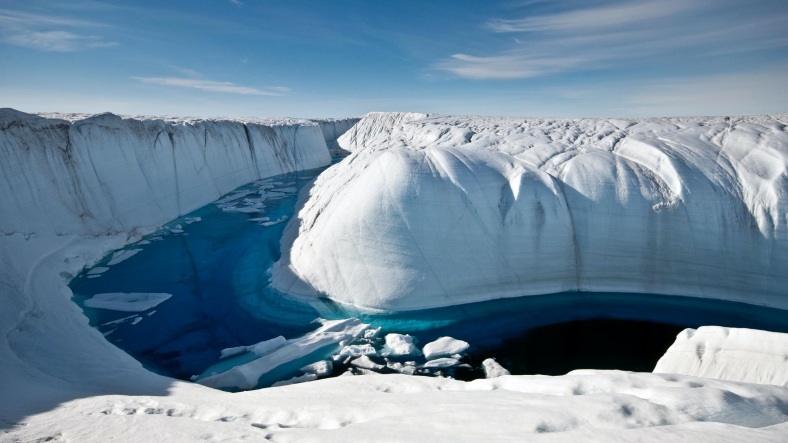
339 58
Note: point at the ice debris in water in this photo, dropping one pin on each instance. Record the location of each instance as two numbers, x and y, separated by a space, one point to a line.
493 369
444 347
399 345
127 301
122 256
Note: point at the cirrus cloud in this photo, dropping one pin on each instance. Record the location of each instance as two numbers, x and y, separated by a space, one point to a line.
212 86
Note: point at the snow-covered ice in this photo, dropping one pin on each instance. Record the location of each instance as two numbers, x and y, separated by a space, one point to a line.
728 354
127 301
444 347
493 369
399 345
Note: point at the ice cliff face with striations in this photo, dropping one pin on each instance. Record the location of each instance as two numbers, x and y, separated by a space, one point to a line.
75 174
437 210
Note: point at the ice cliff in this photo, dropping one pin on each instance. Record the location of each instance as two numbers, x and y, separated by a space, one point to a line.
437 210
103 173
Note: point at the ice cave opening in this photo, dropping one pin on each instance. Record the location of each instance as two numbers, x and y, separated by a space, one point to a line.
191 301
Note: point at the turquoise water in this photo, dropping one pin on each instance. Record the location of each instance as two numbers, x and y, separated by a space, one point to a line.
214 261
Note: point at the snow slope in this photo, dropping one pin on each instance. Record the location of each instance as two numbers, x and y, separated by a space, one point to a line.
439 210
724 354
60 380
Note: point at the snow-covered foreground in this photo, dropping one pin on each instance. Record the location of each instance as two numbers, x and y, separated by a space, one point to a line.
437 211
60 380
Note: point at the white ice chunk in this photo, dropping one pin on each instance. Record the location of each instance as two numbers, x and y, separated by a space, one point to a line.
321 368
407 369
372 333
493 369
364 362
122 255
127 301
120 320
733 354
438 363
268 346
444 347
98 270
357 350
190 220
399 345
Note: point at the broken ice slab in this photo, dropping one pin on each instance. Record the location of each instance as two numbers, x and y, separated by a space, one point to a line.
98 270
122 256
262 348
444 347
285 361
127 301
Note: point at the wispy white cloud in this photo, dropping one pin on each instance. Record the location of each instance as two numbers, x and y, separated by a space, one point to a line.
236 2
507 66
212 86
46 32
606 35
56 41
601 17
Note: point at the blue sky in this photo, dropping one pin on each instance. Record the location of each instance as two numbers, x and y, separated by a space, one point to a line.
320 58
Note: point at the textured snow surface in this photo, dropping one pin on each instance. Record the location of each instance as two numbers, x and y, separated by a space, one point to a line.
62 381
729 354
432 211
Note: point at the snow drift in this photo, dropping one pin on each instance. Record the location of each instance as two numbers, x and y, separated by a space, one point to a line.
436 211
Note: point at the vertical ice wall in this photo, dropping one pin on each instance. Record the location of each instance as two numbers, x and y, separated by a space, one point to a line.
105 174
332 129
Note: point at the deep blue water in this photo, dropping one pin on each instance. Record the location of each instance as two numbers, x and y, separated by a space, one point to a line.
216 271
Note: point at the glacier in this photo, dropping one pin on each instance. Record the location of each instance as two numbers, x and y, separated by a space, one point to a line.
76 188
433 211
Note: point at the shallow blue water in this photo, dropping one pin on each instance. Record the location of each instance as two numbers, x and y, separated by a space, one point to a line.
215 268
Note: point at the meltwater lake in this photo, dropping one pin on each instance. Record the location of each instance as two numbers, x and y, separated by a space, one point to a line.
213 263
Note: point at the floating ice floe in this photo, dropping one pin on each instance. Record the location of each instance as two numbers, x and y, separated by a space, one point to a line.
357 350
399 345
444 347
98 270
321 368
493 369
440 363
127 301
121 256
364 362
